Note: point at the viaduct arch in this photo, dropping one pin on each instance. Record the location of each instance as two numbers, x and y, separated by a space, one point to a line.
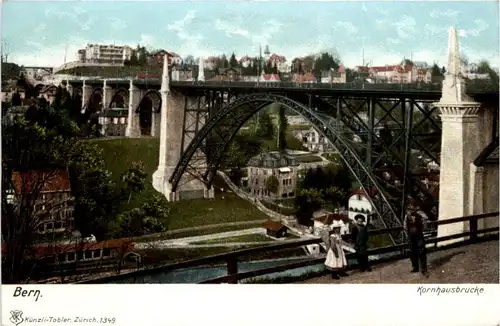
226 122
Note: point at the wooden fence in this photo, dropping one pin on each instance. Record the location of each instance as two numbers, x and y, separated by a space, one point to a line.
231 258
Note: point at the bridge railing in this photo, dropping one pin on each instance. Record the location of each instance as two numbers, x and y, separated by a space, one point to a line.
231 258
473 86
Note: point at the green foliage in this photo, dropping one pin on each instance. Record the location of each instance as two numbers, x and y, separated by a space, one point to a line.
233 62
272 184
436 71
324 62
145 219
283 127
265 128
134 179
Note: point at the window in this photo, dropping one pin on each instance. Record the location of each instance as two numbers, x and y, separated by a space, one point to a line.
115 121
80 255
61 257
41 228
106 252
50 226
71 256
97 253
57 225
88 254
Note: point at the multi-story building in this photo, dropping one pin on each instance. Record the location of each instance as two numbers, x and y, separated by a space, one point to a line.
173 58
53 207
110 54
334 76
279 62
33 74
281 166
313 140
407 73
246 61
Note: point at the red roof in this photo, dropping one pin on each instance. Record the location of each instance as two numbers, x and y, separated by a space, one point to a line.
47 181
305 78
327 217
398 68
341 69
271 77
371 192
276 57
47 250
274 226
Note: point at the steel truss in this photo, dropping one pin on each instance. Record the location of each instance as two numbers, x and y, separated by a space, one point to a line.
212 140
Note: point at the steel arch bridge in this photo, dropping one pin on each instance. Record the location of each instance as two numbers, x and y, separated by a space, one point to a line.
364 148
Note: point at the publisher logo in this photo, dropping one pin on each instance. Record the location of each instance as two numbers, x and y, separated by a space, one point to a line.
16 317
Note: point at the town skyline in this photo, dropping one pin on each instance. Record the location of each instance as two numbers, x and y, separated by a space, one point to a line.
385 32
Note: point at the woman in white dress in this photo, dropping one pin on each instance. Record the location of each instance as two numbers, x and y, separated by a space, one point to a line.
336 261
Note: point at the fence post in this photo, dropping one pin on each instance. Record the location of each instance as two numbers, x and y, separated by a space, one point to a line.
473 228
232 268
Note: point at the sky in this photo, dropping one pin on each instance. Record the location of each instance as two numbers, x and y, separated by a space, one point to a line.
40 33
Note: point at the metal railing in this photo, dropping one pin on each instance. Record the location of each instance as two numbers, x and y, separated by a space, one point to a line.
472 86
231 258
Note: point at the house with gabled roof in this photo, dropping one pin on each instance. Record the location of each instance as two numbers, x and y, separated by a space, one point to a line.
53 205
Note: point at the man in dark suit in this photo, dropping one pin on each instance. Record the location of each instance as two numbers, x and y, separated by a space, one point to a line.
415 225
359 235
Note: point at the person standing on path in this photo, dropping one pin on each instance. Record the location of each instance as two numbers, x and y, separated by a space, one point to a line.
415 225
336 261
359 235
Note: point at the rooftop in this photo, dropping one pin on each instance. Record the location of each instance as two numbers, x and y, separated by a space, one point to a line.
48 181
273 160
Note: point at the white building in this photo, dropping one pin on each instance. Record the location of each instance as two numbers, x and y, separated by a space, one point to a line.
99 53
33 74
325 219
359 204
313 140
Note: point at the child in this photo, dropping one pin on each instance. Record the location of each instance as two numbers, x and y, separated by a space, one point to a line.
335 261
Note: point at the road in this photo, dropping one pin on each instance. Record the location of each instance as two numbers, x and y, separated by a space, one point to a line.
182 242
476 263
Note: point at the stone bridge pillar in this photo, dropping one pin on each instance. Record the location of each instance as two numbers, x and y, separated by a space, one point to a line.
69 88
460 144
86 93
171 145
133 128
107 95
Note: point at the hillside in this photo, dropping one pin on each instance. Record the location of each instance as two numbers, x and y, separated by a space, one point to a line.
226 207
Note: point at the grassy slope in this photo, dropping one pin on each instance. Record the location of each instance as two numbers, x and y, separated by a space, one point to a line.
119 155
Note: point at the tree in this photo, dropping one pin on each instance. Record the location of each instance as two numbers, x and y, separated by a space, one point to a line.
233 62
16 99
134 60
436 71
265 128
189 60
148 218
484 68
134 179
272 184
307 202
325 62
405 62
283 126
29 146
443 70
308 63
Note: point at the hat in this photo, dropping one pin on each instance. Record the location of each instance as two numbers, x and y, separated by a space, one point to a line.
359 217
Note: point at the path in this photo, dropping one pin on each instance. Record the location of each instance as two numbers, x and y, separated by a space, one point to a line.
185 241
476 263
206 245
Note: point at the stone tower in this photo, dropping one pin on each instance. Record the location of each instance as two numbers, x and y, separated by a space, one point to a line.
201 69
173 142
460 143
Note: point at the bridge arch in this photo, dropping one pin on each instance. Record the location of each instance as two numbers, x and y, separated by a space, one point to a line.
148 112
232 117
94 103
155 97
119 99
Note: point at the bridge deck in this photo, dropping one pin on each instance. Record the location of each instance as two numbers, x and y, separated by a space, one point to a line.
476 263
